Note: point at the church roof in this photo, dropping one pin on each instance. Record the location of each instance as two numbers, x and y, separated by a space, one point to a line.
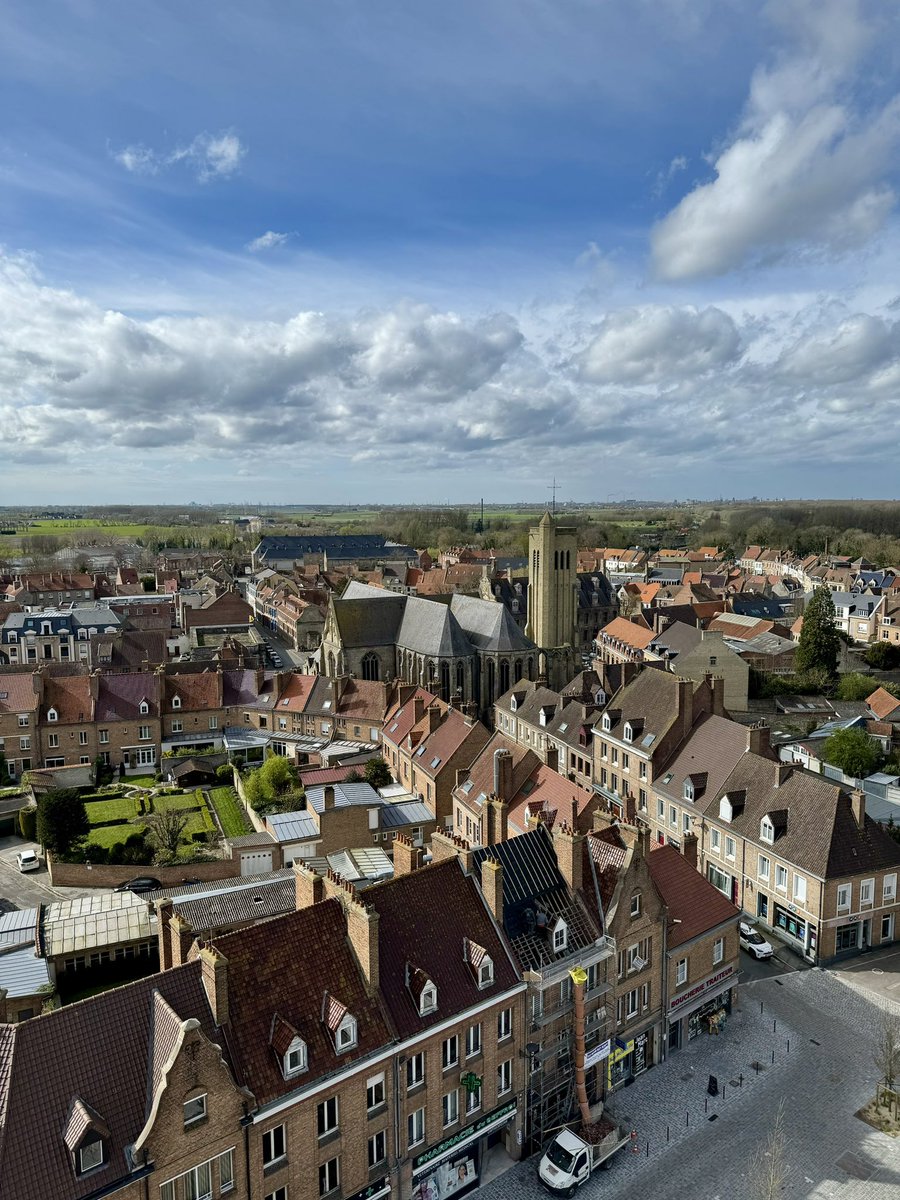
429 627
488 624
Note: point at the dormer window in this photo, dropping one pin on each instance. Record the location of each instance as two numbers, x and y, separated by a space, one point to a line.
176 702
52 715
144 708
560 936
607 723
513 704
486 973
295 1061
725 809
688 790
600 697
766 831
90 1154
428 999
629 732
345 1038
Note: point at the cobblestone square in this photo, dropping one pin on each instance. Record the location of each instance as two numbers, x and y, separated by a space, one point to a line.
820 1027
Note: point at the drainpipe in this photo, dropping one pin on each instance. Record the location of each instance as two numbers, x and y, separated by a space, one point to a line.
579 979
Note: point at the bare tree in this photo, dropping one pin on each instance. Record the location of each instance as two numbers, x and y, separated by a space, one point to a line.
768 1166
164 830
886 1055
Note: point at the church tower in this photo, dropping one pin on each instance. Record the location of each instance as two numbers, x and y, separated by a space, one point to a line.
552 584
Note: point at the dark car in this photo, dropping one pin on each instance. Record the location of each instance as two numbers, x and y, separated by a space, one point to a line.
142 883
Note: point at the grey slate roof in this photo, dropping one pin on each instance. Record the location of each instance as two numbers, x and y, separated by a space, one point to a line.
23 973
364 623
488 625
430 627
18 928
406 812
293 826
344 794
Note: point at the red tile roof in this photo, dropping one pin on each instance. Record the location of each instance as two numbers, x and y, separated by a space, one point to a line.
628 632
694 905
17 694
882 703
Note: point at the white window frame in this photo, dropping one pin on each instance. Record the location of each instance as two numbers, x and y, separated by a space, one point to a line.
450 1108
415 1071
799 889
270 1139
866 893
504 1024
376 1093
844 889
718 951
415 1128
427 999
201 1112
336 1182
473 1041
504 1077
450 1052
781 873
889 888
377 1141
681 972
764 868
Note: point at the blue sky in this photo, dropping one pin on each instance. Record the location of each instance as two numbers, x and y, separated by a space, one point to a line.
411 251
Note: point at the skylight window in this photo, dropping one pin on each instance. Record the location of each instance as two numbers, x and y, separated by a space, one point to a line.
564 726
420 752
667 778
435 762
468 785
285 703
649 739
326 704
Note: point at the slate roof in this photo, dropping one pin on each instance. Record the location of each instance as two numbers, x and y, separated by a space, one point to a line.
336 546
253 899
652 697
70 696
284 968
364 623
488 625
695 906
97 1051
120 697
713 749
424 918
429 627
535 895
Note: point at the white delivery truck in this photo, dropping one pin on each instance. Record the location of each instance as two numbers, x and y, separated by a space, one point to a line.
569 1159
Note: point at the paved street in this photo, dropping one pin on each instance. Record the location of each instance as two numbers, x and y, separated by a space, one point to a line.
34 887
823 1079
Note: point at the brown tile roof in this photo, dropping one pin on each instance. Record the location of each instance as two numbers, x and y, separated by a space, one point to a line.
284 968
632 634
481 772
197 690
609 853
97 1051
17 694
297 692
694 905
121 695
454 734
402 718
70 696
549 792
423 919
883 704
713 749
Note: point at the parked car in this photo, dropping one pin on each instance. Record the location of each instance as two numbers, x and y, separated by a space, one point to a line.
27 860
753 942
141 883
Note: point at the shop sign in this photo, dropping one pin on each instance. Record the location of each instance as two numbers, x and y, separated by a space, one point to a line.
700 989
380 1187
597 1054
623 1049
465 1135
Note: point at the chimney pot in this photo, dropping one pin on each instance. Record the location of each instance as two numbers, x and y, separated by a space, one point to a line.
492 887
858 805
214 968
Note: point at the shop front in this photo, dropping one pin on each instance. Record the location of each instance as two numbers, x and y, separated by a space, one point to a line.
454 1166
702 1009
377 1190
628 1059
797 929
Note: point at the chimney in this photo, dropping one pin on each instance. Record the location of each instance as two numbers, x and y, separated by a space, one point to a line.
407 857
689 849
567 843
4 1015
181 938
434 717
553 758
660 621
328 797
492 887
220 686
717 686
37 682
497 818
418 709
782 773
94 684
214 968
685 703
759 739
858 807
309 889
362 929
503 774
446 845
164 910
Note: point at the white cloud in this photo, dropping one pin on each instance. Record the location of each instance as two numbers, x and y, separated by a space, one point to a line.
267 241
664 178
659 345
210 155
806 168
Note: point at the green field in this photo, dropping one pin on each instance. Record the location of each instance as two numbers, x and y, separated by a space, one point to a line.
124 812
231 815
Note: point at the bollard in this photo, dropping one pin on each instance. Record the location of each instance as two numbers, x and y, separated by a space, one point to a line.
723 1091
756 1067
773 1058
648 1147
687 1119
774 1026
706 1105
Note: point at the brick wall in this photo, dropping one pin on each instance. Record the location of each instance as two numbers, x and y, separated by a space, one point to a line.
103 875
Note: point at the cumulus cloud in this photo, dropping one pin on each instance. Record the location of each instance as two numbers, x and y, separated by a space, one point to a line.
807 166
267 241
410 387
659 345
210 156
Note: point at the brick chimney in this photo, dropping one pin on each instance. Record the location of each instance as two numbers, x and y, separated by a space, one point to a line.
94 684
407 857
717 693
503 774
497 819
492 887
567 843
783 772
164 911
684 699
858 807
4 1013
214 968
362 930
328 797
435 716
689 849
446 845
309 888
553 758
37 682
182 938
759 739
418 709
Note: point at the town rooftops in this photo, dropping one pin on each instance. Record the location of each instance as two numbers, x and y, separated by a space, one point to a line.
17 694
89 922
620 629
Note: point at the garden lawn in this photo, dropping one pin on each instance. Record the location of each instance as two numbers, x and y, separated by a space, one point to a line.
108 835
101 812
144 781
231 815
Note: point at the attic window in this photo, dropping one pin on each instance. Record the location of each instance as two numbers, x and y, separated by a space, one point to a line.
600 696
766 831
194 1109
560 936
667 778
513 704
607 723
52 715
486 973
564 726
435 762
420 752
90 1154
629 732
428 999
688 790
326 704
176 702
649 740
468 785
144 708
285 703
345 1038
295 1060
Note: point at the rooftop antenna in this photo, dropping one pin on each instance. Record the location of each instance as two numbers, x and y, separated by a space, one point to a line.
553 489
